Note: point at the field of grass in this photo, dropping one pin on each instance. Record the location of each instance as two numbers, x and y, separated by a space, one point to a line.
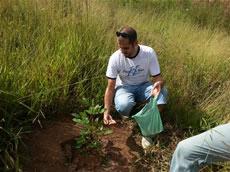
53 54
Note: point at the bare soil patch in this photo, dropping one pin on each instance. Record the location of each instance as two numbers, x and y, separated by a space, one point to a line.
50 149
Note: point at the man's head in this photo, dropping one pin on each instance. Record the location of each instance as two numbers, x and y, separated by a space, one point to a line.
127 41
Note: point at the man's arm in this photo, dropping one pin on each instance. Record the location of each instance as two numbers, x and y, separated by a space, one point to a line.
108 100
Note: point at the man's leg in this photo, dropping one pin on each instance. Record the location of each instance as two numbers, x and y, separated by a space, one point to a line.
124 100
162 99
144 93
206 148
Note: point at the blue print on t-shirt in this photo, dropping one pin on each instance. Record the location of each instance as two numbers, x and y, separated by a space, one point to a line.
133 70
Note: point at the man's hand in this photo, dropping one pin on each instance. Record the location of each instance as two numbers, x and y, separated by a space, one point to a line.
108 99
108 120
156 89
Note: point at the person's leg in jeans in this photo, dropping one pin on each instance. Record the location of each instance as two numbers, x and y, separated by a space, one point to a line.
144 91
206 148
124 100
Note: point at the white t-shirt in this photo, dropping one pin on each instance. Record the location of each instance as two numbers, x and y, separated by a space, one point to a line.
133 71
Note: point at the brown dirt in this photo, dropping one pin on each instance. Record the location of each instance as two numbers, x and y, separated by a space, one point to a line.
50 149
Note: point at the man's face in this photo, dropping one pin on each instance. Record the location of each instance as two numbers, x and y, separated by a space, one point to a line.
127 47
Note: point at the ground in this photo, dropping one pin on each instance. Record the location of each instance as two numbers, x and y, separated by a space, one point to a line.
50 149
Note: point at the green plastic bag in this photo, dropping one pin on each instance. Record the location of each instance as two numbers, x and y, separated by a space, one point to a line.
149 119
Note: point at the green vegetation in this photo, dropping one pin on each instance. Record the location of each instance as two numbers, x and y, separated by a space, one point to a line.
55 53
91 121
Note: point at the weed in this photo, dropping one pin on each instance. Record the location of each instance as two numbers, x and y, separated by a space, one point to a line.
92 128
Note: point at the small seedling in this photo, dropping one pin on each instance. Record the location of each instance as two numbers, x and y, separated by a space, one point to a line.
92 127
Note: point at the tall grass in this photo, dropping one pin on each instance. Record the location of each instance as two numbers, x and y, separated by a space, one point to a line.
51 59
54 53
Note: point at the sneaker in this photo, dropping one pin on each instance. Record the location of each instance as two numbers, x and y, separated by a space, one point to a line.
146 142
124 118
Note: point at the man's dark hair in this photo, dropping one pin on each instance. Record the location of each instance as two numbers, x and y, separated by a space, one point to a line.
127 32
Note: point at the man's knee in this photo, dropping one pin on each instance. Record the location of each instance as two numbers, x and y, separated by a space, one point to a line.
180 147
185 149
124 108
183 158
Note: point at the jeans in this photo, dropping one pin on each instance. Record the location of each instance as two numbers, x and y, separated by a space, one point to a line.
206 148
127 96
